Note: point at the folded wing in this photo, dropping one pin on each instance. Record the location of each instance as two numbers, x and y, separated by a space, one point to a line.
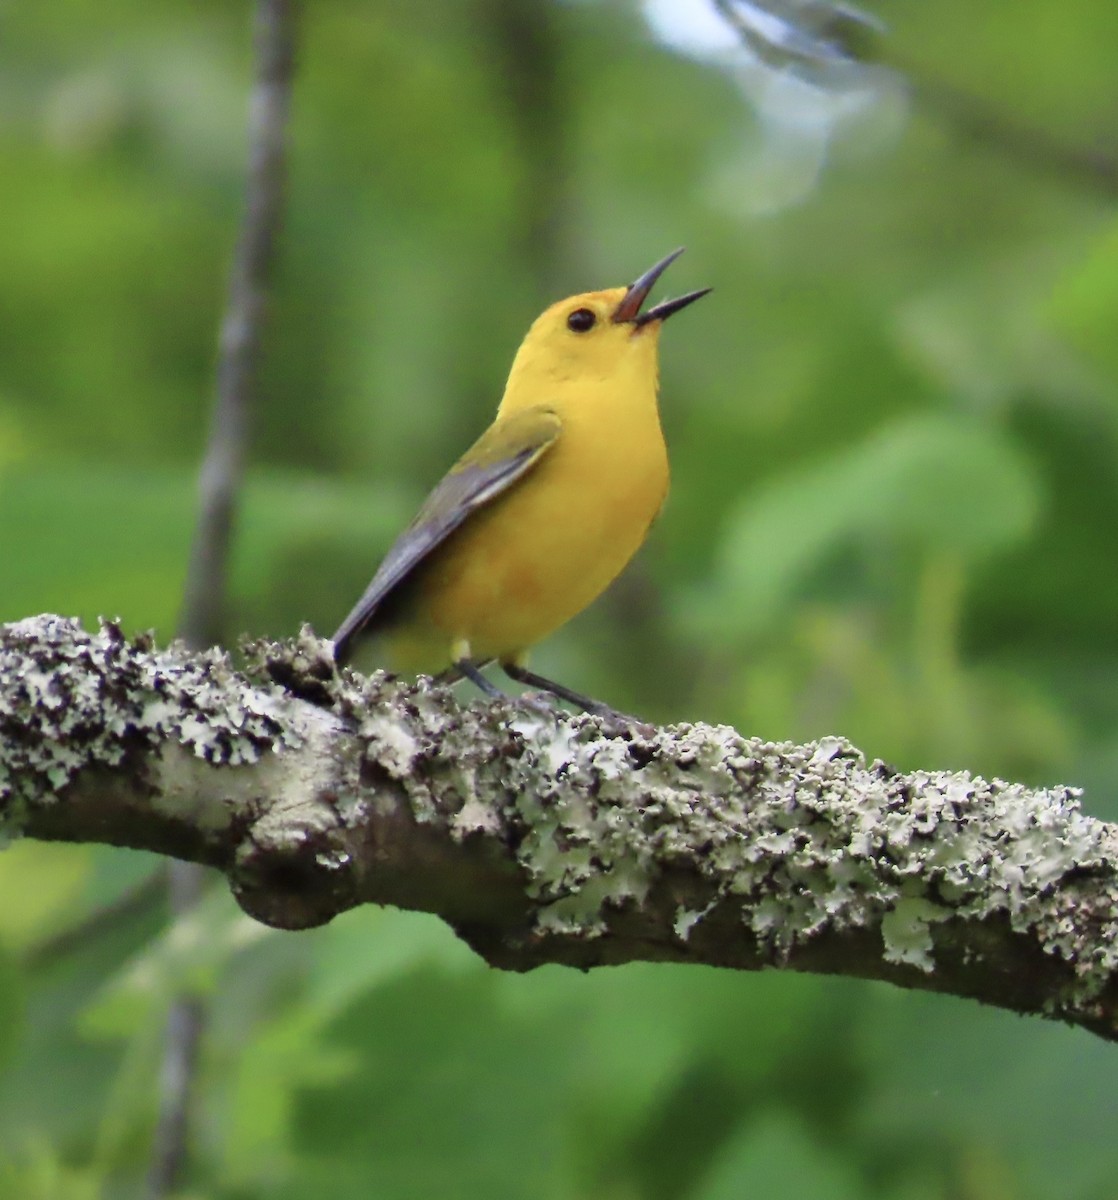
505 453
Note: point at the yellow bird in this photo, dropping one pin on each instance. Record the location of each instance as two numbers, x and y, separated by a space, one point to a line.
544 510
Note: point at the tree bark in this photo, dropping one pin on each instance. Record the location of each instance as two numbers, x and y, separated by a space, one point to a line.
542 837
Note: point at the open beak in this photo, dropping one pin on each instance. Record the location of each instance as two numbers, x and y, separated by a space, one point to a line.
630 307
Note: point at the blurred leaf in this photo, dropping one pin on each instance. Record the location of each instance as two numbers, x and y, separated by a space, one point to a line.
776 1158
344 968
37 1174
356 953
991 1085
57 1085
905 696
93 542
439 1101
40 886
12 1001
640 1027
1084 305
934 482
186 959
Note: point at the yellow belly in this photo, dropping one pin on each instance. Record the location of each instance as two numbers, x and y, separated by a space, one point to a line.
525 564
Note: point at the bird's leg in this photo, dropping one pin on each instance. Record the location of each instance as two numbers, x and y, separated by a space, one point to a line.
467 669
521 674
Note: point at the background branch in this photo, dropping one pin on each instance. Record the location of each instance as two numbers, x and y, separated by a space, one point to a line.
843 35
548 839
201 620
206 589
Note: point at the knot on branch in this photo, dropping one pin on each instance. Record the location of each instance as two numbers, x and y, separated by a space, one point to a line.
295 867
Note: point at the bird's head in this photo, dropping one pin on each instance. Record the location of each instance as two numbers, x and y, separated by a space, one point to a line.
596 336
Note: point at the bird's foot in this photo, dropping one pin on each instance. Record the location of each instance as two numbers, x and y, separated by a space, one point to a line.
620 724
613 722
543 703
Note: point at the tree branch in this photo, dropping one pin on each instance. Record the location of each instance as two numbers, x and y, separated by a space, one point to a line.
543 838
842 33
219 480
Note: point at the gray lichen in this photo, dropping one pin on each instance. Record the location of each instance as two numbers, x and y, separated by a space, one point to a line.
71 699
807 840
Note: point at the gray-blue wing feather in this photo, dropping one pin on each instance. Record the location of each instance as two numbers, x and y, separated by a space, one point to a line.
501 456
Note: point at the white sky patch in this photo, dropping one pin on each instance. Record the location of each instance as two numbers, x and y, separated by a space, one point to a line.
692 27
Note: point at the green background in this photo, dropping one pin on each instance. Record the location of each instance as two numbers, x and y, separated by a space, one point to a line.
893 430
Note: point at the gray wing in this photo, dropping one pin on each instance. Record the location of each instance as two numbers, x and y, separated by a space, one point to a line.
503 454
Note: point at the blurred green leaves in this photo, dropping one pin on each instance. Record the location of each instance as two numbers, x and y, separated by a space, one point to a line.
295 531
776 1158
929 484
1085 302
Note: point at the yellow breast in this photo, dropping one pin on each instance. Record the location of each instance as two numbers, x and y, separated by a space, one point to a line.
535 557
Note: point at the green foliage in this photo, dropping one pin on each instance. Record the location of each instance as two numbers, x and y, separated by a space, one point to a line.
933 484
775 1157
1084 304
894 429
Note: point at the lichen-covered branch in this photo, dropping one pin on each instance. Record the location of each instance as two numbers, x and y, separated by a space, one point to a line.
547 838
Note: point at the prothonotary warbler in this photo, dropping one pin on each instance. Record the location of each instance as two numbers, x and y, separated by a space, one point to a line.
544 510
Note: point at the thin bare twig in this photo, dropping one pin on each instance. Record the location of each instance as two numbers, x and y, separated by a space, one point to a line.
200 623
1027 145
219 484
181 1040
972 116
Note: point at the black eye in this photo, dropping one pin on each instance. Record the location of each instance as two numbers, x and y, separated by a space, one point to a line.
581 320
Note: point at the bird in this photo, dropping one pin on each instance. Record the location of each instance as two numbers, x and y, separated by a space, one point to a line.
546 508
